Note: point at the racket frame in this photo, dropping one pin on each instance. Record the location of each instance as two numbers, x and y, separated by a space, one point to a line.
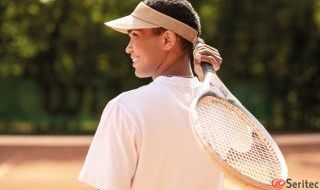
221 164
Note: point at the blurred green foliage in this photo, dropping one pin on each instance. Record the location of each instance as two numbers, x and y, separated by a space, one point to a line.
59 65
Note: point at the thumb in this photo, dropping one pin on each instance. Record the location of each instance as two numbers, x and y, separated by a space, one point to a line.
197 58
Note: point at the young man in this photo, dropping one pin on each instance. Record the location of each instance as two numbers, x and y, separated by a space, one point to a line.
144 140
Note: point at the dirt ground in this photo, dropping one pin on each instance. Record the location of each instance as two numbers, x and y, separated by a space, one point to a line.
51 163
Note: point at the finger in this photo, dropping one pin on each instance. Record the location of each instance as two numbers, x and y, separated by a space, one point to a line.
211 60
197 57
199 72
206 51
201 46
210 47
210 54
197 66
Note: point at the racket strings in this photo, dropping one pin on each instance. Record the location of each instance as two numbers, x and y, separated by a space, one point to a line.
231 135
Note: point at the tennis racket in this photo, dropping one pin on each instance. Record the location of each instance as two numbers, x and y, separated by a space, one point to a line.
235 140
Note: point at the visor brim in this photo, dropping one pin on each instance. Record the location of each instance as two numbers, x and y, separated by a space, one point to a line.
129 22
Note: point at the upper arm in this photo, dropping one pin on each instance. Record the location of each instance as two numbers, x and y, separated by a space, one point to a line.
112 157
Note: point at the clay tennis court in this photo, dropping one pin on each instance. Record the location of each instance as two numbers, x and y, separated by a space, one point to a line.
53 162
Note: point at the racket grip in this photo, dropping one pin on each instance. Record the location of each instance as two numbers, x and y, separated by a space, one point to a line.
207 67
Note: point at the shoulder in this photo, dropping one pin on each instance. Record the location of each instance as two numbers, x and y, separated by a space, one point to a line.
135 103
139 96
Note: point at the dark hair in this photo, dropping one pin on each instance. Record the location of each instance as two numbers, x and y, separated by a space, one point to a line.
181 10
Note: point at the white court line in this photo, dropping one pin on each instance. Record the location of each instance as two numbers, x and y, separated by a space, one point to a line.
46 141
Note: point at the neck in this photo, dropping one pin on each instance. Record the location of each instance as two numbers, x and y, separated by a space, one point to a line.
174 66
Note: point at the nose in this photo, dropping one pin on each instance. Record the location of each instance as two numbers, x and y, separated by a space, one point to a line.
129 48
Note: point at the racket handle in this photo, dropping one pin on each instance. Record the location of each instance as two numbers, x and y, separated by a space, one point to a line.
207 67
208 73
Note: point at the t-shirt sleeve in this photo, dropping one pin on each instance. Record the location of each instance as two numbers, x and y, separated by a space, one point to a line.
112 157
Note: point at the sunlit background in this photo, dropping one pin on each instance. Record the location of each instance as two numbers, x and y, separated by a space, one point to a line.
59 65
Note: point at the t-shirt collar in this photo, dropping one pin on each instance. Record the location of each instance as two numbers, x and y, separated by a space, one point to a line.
185 81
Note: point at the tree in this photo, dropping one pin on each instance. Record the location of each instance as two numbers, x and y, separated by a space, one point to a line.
276 43
270 51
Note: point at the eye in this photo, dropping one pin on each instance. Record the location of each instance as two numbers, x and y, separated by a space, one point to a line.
134 34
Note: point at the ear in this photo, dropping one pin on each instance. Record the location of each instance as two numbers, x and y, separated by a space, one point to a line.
169 40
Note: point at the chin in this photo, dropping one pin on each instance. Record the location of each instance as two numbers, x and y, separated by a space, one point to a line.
141 75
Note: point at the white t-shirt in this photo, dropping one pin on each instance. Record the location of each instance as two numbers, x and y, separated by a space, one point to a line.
144 142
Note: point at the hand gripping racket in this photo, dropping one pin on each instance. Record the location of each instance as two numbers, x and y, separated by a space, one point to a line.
236 141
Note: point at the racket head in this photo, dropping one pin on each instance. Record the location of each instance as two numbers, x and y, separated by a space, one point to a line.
247 153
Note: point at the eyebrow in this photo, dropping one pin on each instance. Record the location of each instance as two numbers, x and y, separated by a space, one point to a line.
129 31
